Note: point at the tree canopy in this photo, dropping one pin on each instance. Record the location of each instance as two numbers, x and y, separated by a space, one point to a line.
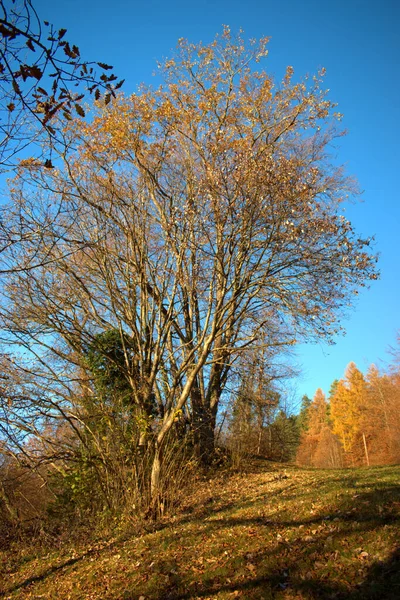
197 220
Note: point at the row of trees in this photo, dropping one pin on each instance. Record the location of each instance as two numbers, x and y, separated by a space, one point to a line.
179 229
359 423
258 420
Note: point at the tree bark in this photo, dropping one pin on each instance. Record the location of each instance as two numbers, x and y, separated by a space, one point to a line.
155 475
203 424
365 448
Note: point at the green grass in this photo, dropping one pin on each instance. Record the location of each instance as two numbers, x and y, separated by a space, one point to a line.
306 534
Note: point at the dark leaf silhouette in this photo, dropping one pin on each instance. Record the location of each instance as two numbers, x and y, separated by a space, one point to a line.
56 57
79 110
104 66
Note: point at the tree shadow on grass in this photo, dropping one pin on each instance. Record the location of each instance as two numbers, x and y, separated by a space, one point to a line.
275 569
51 570
290 565
381 583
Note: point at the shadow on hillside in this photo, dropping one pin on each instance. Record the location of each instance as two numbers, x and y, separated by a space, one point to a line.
273 570
289 566
364 509
51 570
381 583
210 506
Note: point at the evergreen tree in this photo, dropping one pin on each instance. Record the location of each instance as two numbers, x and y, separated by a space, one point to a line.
303 414
286 436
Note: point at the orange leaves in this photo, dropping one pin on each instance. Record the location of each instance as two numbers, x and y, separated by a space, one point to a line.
347 403
226 158
363 416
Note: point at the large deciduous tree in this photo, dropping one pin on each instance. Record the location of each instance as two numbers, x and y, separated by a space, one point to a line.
196 219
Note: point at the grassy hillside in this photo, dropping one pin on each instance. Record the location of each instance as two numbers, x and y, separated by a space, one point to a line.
266 534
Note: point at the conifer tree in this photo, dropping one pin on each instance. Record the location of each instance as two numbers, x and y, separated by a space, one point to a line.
382 417
348 404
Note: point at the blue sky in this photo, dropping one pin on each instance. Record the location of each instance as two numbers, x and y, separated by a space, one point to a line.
358 42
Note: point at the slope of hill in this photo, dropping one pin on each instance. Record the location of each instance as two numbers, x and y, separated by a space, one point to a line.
267 534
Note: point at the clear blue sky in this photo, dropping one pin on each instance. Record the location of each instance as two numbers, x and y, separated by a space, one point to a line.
358 42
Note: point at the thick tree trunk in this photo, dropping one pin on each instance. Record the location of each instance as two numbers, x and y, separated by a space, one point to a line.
204 415
204 421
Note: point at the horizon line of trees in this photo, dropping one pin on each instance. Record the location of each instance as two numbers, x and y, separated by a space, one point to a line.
358 424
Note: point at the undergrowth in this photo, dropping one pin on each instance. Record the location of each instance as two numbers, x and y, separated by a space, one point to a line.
263 533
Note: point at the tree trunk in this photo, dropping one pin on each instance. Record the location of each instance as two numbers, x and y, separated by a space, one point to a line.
259 441
155 475
12 512
203 423
365 448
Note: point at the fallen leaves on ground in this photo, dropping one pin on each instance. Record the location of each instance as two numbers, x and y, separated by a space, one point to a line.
247 535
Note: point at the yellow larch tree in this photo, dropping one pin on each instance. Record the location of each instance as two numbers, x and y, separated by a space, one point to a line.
348 406
382 419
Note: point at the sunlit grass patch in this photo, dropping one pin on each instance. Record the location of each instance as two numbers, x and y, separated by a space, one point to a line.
307 534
